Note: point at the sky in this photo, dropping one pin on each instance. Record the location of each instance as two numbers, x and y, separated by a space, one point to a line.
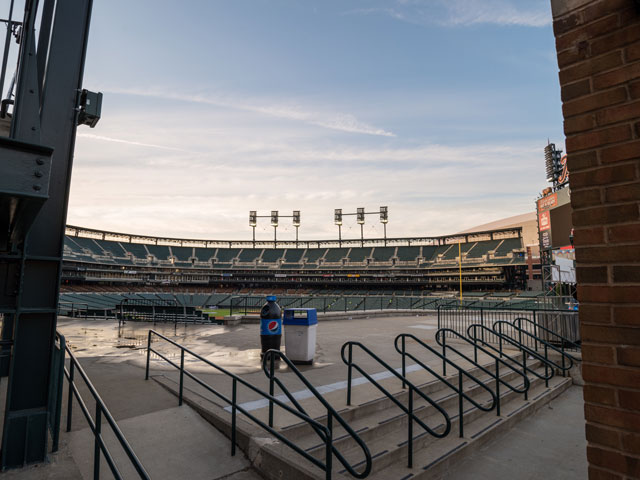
438 109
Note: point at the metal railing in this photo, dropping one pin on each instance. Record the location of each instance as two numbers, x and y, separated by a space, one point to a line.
402 350
268 366
55 392
411 416
101 411
441 339
236 407
563 341
545 345
73 309
472 333
459 319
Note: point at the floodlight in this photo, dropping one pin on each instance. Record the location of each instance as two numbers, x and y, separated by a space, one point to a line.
338 216
384 214
253 218
360 215
296 218
274 218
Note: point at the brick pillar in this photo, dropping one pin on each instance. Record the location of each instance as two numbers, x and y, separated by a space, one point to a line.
598 46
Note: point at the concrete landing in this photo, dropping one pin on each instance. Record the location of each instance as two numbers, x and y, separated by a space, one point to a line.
549 444
172 443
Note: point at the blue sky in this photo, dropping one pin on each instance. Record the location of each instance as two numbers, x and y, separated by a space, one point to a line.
439 109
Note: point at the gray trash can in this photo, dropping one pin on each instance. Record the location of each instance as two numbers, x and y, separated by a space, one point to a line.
300 325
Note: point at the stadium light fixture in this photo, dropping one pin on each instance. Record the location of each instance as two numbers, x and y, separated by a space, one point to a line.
274 224
337 219
384 219
253 222
296 223
360 219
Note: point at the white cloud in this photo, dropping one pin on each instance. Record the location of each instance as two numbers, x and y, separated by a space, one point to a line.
343 122
523 13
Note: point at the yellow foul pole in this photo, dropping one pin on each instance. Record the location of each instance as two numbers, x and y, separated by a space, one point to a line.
460 267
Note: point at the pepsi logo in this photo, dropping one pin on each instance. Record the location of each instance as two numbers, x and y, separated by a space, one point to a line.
272 326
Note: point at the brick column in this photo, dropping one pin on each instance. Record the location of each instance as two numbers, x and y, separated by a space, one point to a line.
598 46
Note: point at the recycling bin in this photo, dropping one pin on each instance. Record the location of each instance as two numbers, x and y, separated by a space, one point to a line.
300 325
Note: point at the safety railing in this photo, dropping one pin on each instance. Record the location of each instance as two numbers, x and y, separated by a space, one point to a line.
236 407
409 410
402 350
522 333
563 341
459 318
101 412
441 338
268 366
472 333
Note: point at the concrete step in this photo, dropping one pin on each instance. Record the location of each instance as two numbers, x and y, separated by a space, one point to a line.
386 437
433 462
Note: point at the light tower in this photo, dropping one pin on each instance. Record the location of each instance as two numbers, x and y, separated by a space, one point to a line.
337 219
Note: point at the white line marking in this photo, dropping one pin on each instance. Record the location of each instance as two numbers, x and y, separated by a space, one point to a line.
332 387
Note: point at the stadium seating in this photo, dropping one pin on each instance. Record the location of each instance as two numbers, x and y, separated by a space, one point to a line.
359 254
335 255
183 254
227 254
161 252
314 254
294 255
205 254
482 248
408 254
383 254
507 246
272 255
138 250
248 254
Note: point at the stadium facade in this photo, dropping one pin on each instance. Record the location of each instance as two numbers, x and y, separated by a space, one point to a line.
491 260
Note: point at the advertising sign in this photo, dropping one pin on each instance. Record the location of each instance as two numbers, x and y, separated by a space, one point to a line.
544 221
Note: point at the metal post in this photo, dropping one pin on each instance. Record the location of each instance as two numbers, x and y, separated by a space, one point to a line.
460 404
275 236
70 395
385 234
410 430
404 364
498 387
181 376
362 234
546 367
340 236
524 369
146 374
444 355
254 236
329 447
96 445
349 375
271 386
233 416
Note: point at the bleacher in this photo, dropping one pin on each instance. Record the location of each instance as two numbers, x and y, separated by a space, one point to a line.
402 270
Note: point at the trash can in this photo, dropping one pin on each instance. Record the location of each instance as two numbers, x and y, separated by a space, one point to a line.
300 326
270 325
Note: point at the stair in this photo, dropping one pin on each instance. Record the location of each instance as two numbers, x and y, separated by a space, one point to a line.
384 427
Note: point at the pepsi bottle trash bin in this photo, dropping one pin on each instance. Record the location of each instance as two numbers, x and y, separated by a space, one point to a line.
300 325
270 325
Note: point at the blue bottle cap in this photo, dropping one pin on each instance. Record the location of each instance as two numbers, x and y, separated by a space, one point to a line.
271 298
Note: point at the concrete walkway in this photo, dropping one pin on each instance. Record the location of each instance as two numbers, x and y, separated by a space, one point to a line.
550 445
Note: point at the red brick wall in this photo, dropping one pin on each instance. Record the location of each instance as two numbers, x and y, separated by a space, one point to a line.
598 46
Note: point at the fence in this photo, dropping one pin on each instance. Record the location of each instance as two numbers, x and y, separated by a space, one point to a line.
250 304
563 322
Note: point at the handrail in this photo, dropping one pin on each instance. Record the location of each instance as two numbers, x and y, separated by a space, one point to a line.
441 340
472 333
235 407
563 339
461 372
546 344
96 426
270 357
412 388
